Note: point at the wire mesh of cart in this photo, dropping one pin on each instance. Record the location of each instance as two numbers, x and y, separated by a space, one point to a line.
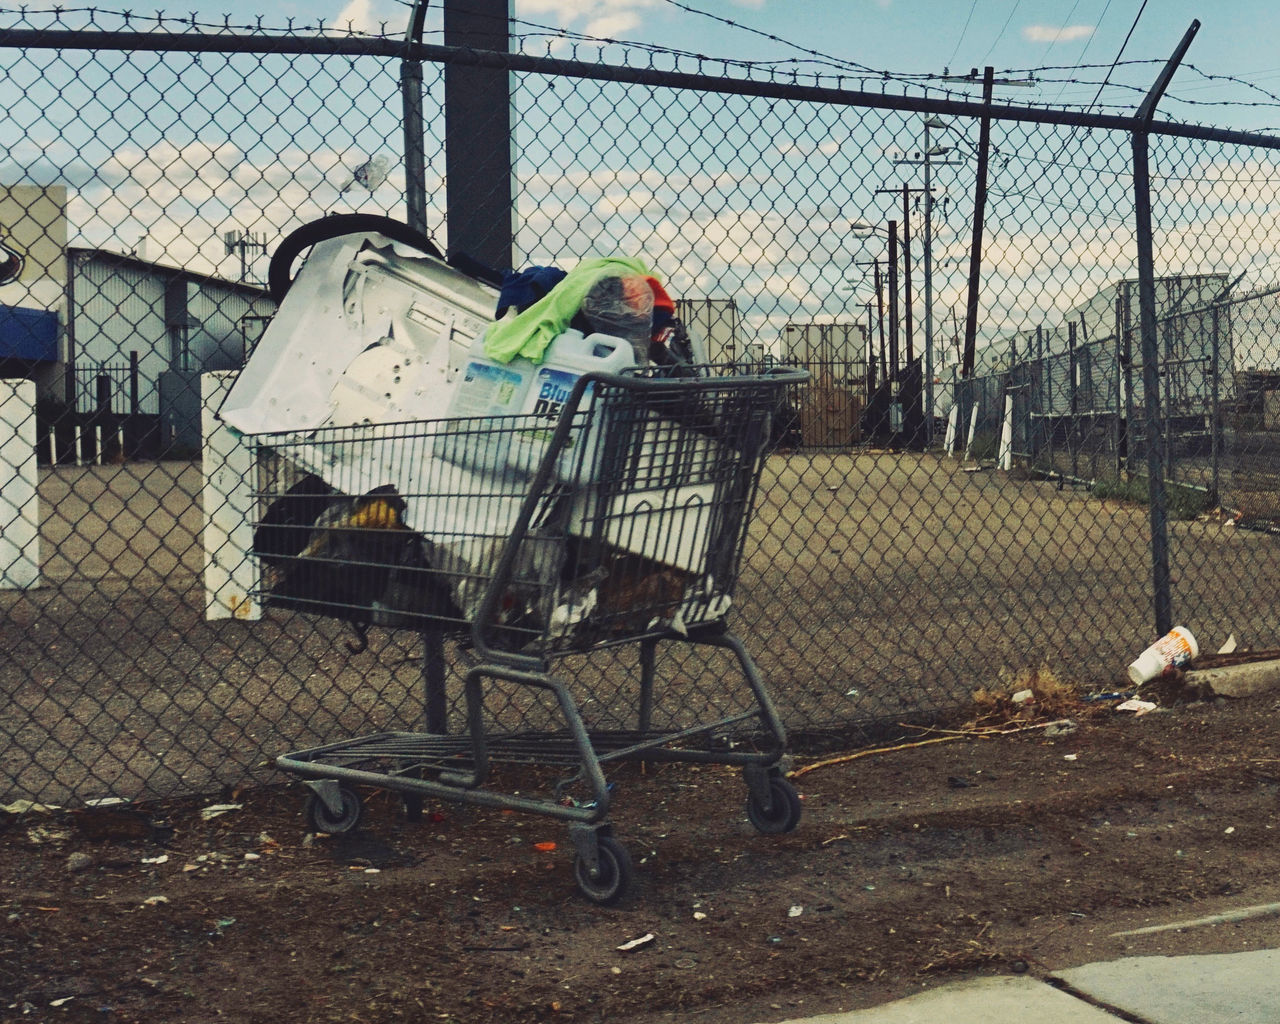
614 514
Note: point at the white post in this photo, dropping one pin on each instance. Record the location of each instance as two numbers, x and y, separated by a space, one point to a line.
949 445
79 443
19 505
231 572
1006 435
973 431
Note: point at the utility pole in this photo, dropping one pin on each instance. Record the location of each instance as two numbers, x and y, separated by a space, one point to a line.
928 157
979 211
893 301
989 81
869 350
906 273
973 78
884 377
905 191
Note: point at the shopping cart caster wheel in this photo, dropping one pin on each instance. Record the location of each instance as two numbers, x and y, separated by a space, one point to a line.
781 814
612 877
322 819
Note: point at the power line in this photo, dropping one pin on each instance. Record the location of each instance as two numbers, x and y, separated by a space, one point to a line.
963 32
1003 29
1127 37
1065 22
1088 42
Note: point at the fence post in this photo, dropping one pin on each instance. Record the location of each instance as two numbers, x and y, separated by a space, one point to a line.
415 159
1215 422
1036 415
101 416
1127 366
477 114
19 505
435 696
230 568
133 441
1118 433
1073 444
1141 138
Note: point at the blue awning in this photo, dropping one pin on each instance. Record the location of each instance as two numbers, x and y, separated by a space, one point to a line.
30 334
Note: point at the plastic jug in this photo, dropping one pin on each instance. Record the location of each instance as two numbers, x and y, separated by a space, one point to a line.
487 391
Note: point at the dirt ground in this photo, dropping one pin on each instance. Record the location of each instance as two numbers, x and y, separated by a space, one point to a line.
876 585
990 852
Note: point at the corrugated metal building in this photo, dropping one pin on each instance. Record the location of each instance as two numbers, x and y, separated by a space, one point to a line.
163 325
1080 359
717 323
1255 331
830 405
836 352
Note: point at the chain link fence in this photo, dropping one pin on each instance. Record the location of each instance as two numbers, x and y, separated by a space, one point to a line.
925 527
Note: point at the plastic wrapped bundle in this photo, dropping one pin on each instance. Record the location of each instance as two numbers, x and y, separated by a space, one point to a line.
621 306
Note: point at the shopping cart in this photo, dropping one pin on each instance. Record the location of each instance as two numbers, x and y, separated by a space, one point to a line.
615 514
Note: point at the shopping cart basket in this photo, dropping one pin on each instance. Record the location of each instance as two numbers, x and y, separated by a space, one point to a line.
615 516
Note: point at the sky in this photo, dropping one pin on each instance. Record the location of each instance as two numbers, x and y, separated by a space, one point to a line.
767 222
916 37
935 36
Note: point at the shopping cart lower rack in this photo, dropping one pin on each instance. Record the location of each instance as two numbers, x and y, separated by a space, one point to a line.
615 516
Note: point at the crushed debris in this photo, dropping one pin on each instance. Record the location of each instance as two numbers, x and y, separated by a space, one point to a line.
634 944
1138 707
215 810
1028 700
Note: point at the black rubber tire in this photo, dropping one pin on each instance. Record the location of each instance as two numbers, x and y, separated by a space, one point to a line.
784 810
614 873
280 272
321 819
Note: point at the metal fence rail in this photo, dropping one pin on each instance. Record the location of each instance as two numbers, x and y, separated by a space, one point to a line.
927 526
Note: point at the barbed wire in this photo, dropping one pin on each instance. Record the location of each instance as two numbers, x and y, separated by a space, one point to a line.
852 65
819 68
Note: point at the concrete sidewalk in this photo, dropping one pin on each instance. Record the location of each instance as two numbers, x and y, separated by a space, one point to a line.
1223 988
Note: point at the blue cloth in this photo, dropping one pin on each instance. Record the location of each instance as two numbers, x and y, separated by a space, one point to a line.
521 290
30 334
529 333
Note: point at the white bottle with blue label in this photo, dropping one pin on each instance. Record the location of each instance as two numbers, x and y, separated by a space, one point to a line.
568 357
489 391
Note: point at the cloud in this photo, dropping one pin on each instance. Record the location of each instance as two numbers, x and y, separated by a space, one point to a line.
614 24
1049 34
597 14
566 11
364 16
183 197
